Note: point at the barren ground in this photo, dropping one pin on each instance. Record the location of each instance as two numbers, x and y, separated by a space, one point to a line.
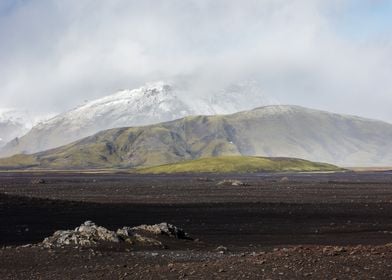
273 228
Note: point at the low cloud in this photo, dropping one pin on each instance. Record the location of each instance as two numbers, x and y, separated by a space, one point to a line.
56 54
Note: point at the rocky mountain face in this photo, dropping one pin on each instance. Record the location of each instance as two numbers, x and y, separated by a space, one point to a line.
272 131
152 103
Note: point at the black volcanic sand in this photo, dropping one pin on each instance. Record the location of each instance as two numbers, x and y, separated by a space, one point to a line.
313 210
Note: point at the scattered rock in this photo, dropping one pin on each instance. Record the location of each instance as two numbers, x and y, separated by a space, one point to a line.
333 251
204 179
37 181
232 183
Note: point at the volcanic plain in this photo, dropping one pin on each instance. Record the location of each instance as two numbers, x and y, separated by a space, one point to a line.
267 226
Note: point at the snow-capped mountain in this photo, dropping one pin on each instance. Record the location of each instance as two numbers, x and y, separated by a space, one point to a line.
149 104
13 124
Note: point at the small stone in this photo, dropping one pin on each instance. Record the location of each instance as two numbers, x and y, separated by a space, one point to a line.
221 249
284 179
232 183
38 181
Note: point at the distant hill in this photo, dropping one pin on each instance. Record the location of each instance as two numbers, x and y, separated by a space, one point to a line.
271 131
240 164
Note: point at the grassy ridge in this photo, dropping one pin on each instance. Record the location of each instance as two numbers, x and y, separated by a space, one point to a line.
18 161
240 164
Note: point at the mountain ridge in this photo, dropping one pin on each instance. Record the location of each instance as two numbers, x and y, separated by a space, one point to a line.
269 131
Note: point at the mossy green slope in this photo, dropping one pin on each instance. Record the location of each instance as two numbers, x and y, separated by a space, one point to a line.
18 161
240 164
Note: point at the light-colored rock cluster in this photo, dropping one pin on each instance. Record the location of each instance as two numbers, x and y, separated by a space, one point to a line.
131 237
232 183
164 229
89 234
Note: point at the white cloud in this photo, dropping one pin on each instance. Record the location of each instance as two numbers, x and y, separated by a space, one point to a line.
56 54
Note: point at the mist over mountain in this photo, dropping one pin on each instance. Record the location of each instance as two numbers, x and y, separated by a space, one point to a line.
13 123
273 131
149 104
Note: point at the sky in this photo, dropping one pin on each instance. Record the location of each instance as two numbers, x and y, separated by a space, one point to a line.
333 55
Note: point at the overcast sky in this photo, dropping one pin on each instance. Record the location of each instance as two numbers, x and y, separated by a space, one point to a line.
328 54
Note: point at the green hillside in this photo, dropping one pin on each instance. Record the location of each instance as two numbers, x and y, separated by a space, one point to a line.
240 164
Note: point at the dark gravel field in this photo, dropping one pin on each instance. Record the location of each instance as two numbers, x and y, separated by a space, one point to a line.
298 215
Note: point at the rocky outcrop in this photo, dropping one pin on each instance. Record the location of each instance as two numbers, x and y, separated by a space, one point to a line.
164 229
131 237
89 234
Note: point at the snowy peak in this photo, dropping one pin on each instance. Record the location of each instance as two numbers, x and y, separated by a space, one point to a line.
150 94
126 107
153 91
